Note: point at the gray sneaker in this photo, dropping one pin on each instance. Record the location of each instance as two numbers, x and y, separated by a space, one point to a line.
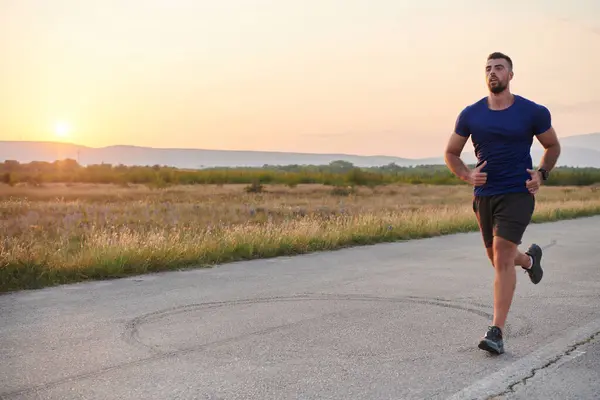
535 272
492 341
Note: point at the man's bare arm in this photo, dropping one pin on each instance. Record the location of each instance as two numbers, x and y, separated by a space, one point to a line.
551 145
454 149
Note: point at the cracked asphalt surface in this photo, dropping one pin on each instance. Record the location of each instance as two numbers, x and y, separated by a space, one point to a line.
389 321
573 376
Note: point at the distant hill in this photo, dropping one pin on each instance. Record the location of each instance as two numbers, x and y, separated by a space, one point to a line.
181 158
578 151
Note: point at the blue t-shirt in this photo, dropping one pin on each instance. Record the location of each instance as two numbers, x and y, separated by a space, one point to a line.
503 138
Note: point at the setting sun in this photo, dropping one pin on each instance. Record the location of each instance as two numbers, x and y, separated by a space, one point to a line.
62 130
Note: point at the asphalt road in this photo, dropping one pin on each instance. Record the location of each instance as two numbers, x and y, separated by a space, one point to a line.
390 321
573 376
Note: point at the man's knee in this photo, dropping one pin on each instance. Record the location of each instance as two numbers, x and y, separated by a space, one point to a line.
504 253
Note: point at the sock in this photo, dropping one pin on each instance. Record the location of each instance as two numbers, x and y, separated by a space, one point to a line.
531 259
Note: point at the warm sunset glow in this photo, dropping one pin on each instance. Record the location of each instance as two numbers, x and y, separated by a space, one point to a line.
62 130
306 76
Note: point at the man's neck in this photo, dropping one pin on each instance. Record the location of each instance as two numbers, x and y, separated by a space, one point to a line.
500 101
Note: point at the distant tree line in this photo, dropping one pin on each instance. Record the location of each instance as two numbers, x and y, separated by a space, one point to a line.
336 173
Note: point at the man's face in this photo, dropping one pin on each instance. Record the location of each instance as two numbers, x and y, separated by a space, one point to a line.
497 75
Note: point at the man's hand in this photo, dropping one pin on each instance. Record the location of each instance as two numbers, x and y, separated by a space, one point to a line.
534 183
476 177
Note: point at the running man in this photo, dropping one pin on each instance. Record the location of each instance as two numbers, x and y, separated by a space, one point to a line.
502 126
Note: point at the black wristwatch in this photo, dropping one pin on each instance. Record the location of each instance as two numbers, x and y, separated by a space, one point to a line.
544 174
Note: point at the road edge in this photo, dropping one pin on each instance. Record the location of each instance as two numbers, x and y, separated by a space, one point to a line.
503 381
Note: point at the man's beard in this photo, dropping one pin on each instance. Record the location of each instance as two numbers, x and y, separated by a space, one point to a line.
499 88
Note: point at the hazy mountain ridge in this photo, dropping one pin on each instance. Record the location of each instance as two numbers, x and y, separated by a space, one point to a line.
578 151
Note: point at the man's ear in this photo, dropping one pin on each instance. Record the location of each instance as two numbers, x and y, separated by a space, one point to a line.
511 74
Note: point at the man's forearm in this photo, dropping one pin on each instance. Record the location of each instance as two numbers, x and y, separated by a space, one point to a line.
550 157
457 166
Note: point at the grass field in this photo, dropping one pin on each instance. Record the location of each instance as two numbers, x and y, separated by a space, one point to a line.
59 234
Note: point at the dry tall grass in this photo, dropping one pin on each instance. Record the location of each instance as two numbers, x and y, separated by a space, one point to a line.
59 234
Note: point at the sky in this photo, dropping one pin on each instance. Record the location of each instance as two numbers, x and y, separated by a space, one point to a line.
369 77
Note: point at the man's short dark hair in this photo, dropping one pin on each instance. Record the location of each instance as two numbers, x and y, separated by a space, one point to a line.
496 55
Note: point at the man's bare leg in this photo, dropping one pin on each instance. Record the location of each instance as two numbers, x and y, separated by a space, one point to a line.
505 256
505 281
521 259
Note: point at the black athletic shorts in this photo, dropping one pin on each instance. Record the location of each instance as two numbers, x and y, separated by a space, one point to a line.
504 215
